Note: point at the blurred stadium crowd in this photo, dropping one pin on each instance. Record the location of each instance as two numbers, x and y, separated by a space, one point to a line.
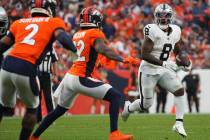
123 24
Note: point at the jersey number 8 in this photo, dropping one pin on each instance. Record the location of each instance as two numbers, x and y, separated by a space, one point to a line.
165 52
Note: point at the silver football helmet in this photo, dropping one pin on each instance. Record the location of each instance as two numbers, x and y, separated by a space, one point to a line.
163 15
4 21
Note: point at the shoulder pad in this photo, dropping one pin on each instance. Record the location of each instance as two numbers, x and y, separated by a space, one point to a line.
150 31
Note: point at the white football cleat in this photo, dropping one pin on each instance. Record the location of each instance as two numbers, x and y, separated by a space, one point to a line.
125 114
179 128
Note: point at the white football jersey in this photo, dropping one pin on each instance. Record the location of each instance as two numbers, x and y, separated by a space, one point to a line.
163 45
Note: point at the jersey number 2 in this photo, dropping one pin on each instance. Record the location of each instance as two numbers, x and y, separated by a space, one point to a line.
165 52
29 38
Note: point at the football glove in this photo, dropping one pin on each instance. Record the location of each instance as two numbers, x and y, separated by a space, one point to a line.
131 60
186 68
170 65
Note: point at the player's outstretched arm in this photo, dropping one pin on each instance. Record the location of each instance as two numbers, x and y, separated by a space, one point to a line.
146 50
65 40
101 47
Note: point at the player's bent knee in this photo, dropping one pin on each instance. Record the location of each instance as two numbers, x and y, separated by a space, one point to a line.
113 94
29 119
179 92
118 96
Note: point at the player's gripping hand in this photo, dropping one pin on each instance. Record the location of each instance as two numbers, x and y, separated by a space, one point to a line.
186 68
131 60
170 65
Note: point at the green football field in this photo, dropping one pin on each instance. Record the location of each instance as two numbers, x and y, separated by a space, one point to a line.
143 127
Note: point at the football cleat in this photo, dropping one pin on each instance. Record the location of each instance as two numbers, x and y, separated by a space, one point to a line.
117 135
179 128
33 138
125 114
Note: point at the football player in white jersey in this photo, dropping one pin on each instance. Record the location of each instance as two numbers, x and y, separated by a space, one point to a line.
161 39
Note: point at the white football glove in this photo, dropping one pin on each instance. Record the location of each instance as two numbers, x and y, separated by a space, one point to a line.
186 68
170 65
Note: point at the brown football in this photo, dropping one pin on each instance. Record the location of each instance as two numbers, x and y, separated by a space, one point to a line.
182 60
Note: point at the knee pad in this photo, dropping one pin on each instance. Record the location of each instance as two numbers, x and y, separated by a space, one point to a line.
147 103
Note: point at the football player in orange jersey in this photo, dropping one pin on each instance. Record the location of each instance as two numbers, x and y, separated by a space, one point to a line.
90 42
32 37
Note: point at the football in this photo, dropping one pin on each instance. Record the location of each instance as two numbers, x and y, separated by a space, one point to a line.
182 60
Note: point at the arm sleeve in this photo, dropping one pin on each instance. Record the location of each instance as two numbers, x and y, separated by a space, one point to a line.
148 32
66 41
63 37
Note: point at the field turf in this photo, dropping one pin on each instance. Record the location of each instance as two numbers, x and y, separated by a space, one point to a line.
143 127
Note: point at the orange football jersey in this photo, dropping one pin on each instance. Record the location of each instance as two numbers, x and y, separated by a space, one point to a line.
33 37
88 58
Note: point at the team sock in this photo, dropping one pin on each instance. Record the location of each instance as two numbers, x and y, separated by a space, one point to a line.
179 103
114 97
179 121
25 133
49 119
114 112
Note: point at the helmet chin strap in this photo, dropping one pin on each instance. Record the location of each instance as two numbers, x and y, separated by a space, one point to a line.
163 27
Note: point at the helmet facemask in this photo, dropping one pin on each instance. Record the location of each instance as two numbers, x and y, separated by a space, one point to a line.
163 19
3 26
